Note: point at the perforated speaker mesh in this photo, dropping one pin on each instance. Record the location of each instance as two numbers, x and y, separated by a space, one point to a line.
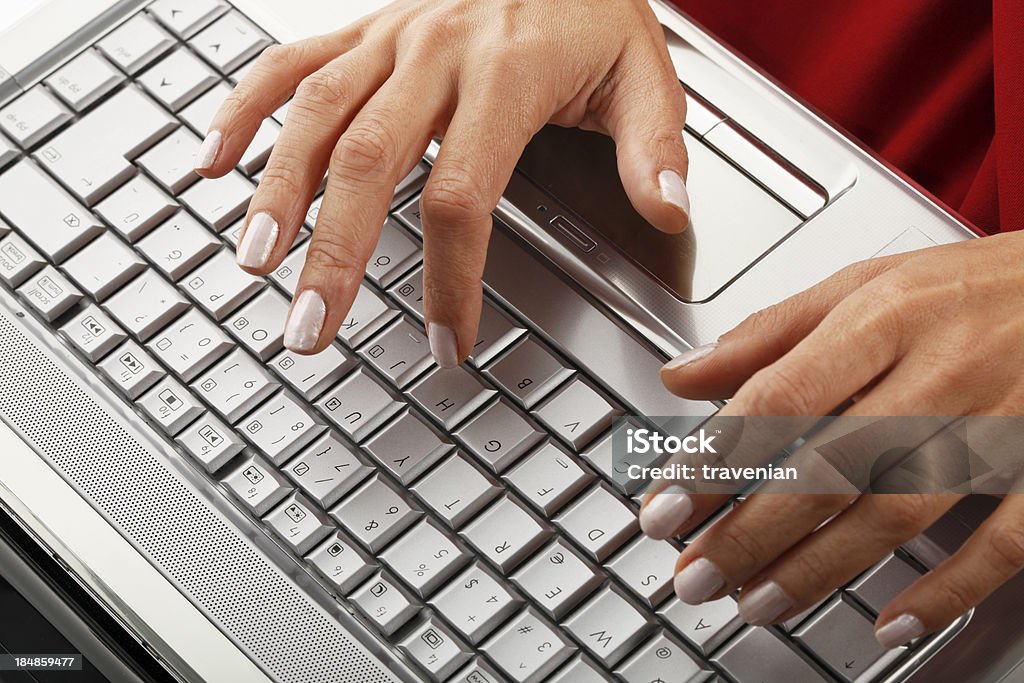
210 561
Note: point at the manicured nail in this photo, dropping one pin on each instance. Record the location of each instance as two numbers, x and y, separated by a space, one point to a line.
443 345
698 581
208 151
691 356
258 241
665 512
762 605
673 190
899 631
305 321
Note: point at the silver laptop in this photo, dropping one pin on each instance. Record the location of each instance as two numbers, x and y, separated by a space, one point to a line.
247 514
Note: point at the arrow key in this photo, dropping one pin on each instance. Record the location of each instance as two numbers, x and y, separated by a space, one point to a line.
178 79
844 638
185 17
229 42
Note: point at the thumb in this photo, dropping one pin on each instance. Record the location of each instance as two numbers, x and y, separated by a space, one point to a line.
646 117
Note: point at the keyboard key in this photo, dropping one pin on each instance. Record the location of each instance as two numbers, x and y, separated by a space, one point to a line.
218 202
49 293
496 333
359 405
136 208
375 514
44 213
477 671
663 659
258 485
394 254
92 332
190 345
287 274
258 151
529 372
549 478
499 436
369 312
145 305
299 524
281 427
342 563
131 370
33 116
584 670
425 558
408 291
401 353
199 115
178 246
310 376
171 162
759 655
845 640
528 648
506 534
92 157
434 647
259 325
18 260
601 456
451 396
705 626
475 603
135 43
235 385
456 490
220 286
646 567
8 152
408 447
104 266
883 582
577 414
327 470
558 579
386 603
210 442
184 17
609 626
229 42
171 406
84 80
600 522
178 79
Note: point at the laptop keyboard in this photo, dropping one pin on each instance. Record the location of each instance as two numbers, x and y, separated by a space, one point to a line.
472 518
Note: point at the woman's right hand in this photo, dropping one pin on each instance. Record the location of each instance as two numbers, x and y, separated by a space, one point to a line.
483 74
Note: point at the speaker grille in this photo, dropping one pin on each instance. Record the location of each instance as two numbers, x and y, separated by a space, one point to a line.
210 561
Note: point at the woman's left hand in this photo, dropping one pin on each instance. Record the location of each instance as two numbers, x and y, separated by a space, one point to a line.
933 332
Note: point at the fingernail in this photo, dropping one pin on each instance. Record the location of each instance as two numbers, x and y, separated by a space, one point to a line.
665 512
673 190
305 321
899 631
258 241
443 345
209 150
691 356
698 581
762 605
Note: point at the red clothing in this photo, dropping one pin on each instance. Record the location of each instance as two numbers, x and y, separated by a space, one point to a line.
936 87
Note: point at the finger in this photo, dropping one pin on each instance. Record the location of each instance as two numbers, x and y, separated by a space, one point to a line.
717 370
645 117
747 539
486 137
382 144
991 556
268 85
324 105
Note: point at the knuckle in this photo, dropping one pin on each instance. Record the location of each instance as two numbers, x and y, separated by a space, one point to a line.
1007 545
282 178
326 88
780 391
330 254
278 58
452 202
743 543
369 146
907 514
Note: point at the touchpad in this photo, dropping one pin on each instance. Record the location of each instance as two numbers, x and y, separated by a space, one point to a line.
733 221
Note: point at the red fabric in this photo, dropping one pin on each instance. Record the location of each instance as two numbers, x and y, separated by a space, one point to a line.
934 86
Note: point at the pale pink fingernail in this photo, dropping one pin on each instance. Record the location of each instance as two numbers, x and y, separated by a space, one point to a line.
698 581
691 356
665 512
443 345
763 604
899 631
305 321
208 151
258 241
673 190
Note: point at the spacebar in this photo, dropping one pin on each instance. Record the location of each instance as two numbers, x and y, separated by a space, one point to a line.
584 334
